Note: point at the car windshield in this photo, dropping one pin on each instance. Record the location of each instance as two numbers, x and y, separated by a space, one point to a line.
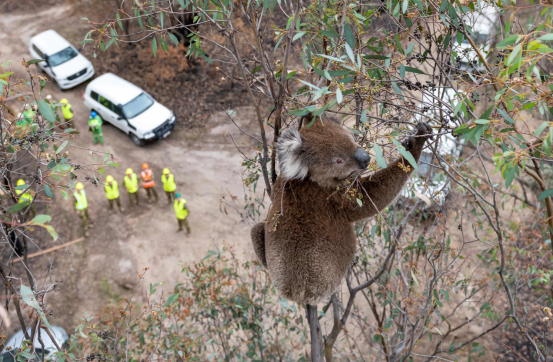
61 57
137 106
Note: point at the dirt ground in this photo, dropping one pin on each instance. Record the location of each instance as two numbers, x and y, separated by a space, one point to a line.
203 159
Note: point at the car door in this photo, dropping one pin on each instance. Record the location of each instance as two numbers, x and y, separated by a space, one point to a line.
106 110
120 120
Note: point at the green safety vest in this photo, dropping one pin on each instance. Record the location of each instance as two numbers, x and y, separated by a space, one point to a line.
95 122
81 200
131 183
24 197
181 212
29 116
112 192
67 112
169 184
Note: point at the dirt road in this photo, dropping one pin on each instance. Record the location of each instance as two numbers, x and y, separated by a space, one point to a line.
206 167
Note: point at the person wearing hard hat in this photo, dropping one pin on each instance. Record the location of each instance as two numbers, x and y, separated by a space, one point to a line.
25 197
181 210
169 185
81 205
67 113
95 125
131 183
112 192
148 182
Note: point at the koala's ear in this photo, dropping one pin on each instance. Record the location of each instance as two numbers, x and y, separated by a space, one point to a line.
289 150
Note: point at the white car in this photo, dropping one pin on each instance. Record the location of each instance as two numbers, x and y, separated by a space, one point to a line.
483 27
14 344
62 62
128 108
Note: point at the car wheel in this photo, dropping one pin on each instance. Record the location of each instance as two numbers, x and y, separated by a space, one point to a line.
137 141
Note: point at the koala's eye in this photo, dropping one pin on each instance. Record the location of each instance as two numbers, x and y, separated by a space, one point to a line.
339 161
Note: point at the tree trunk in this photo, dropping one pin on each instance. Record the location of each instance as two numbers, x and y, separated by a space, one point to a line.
315 328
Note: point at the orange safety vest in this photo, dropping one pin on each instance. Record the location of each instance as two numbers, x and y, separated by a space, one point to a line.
147 178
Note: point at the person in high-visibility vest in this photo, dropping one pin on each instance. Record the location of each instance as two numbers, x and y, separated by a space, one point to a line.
67 113
148 182
81 205
24 197
169 184
112 192
95 125
181 210
131 183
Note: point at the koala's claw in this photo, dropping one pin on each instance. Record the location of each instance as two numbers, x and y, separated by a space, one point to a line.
422 133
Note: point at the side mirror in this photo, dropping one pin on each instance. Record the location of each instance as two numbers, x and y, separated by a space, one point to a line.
79 49
152 95
120 118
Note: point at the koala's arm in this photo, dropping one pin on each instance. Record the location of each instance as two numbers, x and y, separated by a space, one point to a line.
381 188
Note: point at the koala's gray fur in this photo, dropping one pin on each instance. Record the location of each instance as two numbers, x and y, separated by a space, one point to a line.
308 242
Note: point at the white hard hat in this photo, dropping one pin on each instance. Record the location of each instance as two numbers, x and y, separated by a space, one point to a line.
49 96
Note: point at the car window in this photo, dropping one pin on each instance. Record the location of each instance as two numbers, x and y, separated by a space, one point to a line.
38 51
106 103
117 110
137 106
61 56
94 96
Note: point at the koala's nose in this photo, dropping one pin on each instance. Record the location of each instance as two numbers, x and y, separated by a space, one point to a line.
362 158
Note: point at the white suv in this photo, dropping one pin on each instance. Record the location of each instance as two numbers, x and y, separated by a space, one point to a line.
128 108
62 62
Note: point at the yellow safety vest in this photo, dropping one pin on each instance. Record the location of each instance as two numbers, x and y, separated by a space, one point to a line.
131 183
169 184
112 192
67 113
24 197
181 212
81 200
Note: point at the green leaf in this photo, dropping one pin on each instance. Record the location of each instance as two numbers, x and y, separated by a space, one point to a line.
350 53
52 231
298 35
374 56
41 219
545 194
414 70
174 39
154 47
506 42
359 202
546 37
482 121
339 97
171 299
540 129
349 36
29 298
48 191
397 90
330 34
364 117
63 145
46 111
514 54
410 49
379 156
19 206
402 71
34 61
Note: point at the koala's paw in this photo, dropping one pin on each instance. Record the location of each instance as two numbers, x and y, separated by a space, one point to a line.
421 134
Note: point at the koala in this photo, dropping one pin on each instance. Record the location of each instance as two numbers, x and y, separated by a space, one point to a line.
308 242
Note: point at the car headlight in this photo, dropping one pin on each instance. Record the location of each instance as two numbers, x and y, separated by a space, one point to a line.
150 135
172 119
